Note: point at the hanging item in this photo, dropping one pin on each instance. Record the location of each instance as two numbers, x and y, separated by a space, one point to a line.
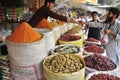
14 13
28 3
11 13
41 3
2 14
34 7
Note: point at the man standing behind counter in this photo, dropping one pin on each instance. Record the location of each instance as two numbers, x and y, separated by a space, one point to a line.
46 11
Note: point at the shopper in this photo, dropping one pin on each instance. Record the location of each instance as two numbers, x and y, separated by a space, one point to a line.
94 32
111 27
45 11
82 18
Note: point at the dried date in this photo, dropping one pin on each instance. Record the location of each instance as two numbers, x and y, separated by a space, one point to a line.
92 40
104 76
99 62
70 38
94 49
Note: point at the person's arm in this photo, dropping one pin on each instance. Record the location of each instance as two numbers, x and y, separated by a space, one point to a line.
55 15
59 17
92 24
109 32
114 34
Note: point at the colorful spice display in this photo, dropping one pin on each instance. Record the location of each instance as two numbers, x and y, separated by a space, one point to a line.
44 24
24 33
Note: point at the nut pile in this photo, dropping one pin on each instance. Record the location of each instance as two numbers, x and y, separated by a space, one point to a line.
64 63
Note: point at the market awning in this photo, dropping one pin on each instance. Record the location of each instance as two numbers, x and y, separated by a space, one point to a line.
95 8
86 1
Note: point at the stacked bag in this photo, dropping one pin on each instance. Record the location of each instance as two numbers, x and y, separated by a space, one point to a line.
5 68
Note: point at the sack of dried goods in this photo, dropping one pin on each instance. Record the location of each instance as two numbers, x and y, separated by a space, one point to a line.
56 33
92 41
102 76
96 62
71 39
67 48
69 26
60 66
26 50
63 29
92 49
49 37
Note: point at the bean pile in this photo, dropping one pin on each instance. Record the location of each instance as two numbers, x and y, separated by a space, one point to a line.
99 62
94 49
64 63
104 77
92 40
70 38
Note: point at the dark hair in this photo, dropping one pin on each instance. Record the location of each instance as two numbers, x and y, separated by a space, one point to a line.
94 12
114 11
50 1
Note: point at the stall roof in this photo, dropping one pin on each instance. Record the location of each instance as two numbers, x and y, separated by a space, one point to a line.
117 6
101 9
96 8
